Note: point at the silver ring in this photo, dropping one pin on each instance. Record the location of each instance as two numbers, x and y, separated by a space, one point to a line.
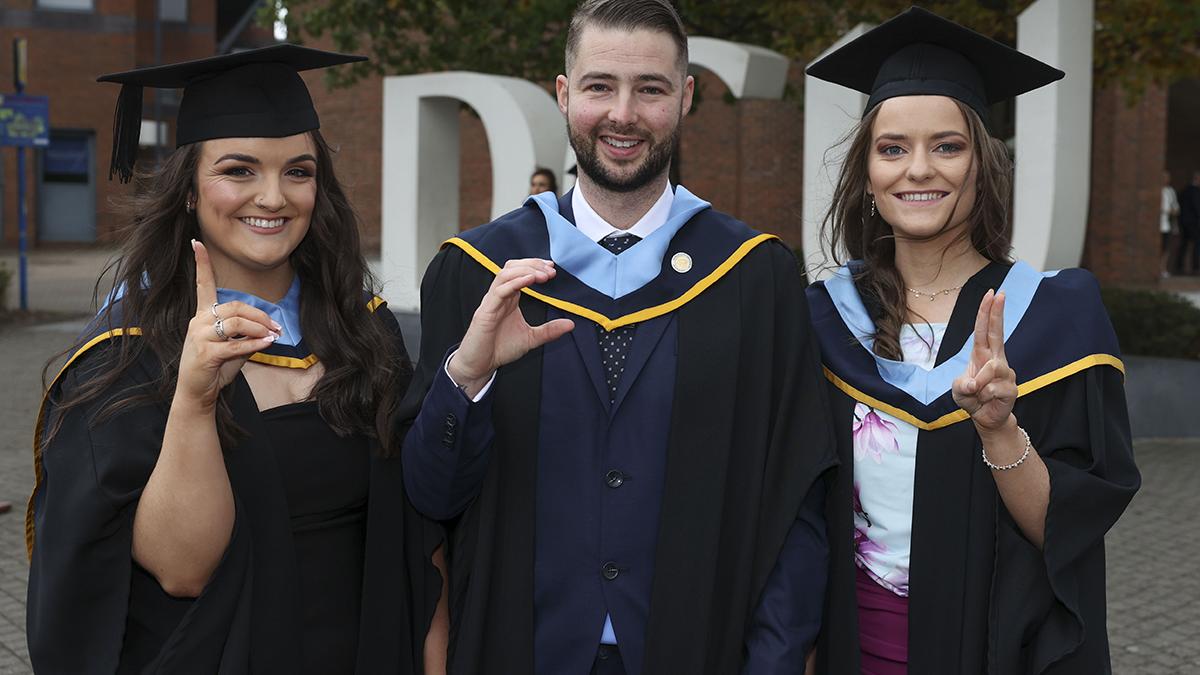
213 309
219 329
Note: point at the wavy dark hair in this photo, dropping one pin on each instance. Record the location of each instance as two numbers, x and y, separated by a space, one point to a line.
364 369
849 226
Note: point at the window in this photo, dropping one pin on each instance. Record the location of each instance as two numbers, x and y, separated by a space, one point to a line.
67 159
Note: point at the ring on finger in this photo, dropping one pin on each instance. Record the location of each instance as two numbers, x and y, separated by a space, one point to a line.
219 329
213 309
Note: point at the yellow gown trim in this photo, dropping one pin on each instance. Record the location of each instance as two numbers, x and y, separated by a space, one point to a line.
641 315
962 415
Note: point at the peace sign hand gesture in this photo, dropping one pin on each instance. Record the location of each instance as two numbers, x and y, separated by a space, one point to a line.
219 340
988 388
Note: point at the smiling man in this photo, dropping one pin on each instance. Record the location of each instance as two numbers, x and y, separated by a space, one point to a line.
618 409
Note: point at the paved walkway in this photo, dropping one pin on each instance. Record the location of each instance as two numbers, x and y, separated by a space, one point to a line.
1154 616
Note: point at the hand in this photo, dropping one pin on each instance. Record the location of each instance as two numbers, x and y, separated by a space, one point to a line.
499 334
988 388
208 362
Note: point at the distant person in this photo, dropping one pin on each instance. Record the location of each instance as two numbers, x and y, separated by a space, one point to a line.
1189 226
543 180
1168 221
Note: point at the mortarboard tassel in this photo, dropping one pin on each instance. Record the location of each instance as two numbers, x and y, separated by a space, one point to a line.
127 129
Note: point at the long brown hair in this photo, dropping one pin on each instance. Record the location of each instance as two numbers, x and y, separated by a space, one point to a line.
363 368
850 227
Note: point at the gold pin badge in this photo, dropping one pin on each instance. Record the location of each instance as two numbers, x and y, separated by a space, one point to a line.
681 262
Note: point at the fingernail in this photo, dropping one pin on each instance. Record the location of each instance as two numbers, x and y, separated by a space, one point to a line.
193 244
276 326
271 338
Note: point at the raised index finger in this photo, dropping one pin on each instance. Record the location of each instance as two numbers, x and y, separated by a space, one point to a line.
206 286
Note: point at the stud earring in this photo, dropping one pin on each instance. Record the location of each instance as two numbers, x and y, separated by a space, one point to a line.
190 206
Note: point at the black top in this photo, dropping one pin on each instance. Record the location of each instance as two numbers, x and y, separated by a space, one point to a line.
325 478
919 53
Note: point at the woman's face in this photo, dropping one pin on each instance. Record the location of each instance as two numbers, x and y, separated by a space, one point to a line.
919 164
254 203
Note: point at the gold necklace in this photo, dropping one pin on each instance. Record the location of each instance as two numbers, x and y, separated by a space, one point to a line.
934 294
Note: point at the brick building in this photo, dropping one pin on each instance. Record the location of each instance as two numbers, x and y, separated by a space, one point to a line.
743 156
70 43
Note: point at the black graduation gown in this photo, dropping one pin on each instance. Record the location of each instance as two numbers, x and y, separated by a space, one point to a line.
749 435
982 599
91 609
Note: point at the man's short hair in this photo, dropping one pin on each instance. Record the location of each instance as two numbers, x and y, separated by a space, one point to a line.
628 15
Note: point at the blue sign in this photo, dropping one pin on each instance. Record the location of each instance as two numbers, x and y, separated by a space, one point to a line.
24 120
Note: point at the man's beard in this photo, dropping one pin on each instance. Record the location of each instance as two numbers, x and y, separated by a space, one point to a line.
656 161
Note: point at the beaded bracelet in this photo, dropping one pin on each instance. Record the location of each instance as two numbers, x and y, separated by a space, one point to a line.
1009 467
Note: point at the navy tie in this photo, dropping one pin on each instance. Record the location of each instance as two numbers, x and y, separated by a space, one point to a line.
614 344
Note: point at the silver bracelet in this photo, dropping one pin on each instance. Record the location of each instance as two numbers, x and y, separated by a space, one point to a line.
1009 467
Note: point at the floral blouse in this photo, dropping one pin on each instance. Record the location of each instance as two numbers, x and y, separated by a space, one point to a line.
885 461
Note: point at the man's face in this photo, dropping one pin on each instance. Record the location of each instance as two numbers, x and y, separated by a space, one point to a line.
624 100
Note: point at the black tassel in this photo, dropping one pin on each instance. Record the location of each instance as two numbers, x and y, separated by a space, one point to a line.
127 129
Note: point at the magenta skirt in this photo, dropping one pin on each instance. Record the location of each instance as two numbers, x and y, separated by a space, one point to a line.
882 628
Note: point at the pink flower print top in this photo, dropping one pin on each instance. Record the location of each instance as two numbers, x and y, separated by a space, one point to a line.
885 461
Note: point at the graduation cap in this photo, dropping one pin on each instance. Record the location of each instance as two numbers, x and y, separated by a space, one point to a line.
255 93
918 52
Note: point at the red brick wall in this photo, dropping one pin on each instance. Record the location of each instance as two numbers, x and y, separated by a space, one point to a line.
1128 158
474 172
352 124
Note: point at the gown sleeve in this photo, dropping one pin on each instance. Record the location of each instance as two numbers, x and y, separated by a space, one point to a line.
1048 607
446 437
85 591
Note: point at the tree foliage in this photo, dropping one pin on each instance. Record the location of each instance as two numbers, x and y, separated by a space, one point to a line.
1137 42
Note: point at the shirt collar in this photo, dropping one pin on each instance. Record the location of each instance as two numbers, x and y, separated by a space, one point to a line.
596 228
286 312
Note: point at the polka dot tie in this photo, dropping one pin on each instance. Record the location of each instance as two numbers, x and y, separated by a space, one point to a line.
614 344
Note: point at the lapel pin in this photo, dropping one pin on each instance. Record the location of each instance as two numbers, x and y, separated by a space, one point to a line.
681 262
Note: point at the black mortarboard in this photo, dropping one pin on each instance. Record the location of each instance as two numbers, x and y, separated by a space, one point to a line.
254 93
918 52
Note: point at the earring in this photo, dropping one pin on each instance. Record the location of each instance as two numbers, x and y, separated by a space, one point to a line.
872 207
190 206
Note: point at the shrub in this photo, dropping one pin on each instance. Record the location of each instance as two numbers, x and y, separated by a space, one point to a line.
1154 323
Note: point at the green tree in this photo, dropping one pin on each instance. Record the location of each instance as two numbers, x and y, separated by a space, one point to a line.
1137 42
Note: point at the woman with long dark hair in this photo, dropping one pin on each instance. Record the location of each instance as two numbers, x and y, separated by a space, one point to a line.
979 403
218 484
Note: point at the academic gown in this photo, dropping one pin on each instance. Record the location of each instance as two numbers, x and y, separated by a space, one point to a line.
982 599
748 439
92 609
